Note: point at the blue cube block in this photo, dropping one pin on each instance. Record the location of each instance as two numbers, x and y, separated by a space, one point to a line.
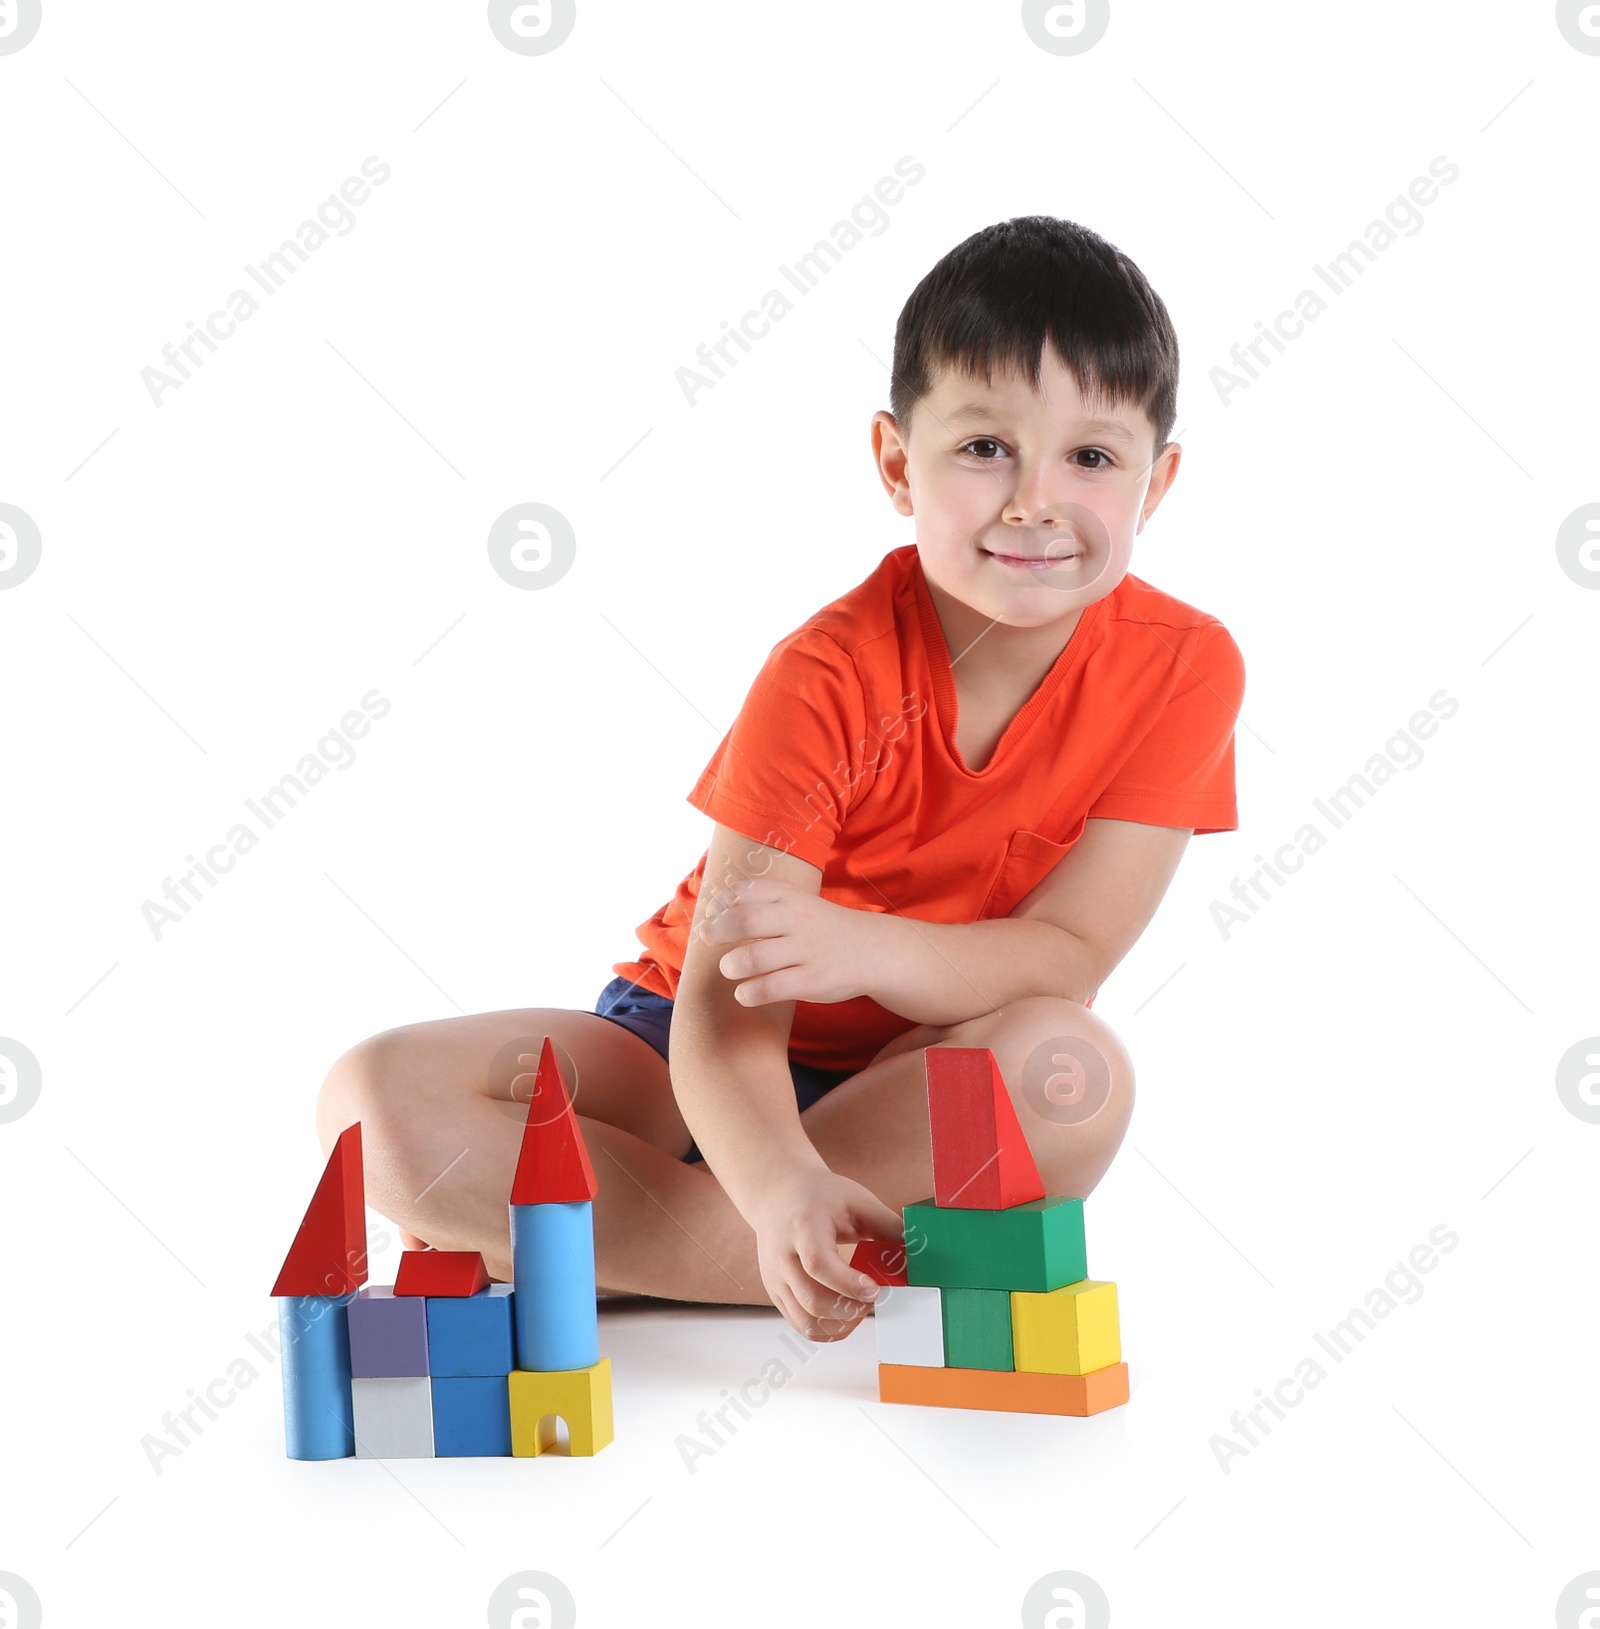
469 1336
471 1417
388 1334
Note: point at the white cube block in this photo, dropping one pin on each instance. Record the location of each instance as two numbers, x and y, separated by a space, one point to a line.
910 1322
393 1417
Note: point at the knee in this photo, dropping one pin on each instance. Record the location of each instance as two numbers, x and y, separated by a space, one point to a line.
370 1084
1071 1080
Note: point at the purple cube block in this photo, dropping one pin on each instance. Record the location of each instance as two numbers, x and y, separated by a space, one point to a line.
388 1334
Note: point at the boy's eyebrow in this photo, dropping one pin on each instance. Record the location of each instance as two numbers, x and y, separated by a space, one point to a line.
976 412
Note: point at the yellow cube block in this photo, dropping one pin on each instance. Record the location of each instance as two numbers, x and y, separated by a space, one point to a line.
581 1397
1072 1330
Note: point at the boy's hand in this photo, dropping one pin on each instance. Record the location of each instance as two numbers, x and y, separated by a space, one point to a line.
801 947
800 1224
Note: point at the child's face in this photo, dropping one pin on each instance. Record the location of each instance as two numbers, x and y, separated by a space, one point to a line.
998 473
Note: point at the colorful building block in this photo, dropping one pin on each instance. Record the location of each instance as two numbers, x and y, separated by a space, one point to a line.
977 1329
553 1164
329 1253
440 1272
471 1416
1034 1246
388 1335
552 1266
981 1159
909 1321
882 1260
314 1350
393 1417
581 1397
470 1336
1008 1389
1072 1330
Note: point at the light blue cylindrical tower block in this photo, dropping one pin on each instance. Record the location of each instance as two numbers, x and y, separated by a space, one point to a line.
314 1343
552 1268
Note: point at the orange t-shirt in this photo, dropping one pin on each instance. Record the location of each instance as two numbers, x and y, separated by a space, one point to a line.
843 754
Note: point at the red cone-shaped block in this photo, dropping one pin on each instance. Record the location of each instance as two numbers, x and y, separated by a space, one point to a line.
553 1168
329 1253
981 1160
441 1272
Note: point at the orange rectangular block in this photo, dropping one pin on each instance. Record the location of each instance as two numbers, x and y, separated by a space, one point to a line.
1010 1390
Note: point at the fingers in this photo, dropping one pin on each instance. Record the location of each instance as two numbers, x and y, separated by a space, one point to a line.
828 1274
825 1325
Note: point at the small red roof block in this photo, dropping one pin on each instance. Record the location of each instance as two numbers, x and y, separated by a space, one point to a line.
981 1160
553 1167
329 1253
441 1272
882 1260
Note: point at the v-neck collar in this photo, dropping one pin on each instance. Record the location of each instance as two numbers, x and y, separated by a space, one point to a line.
944 682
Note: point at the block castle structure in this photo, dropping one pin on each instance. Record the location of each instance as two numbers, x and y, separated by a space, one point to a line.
443 1363
989 1303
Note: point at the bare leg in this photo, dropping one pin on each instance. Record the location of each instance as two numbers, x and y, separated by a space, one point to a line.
441 1127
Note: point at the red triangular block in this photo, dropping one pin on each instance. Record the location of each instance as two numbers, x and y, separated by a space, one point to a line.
441 1272
882 1260
981 1160
553 1167
329 1253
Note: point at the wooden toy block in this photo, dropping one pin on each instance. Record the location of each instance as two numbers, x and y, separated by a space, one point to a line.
470 1336
882 1260
388 1335
329 1253
581 1397
441 1272
977 1329
1072 1330
1011 1390
909 1321
552 1267
314 1349
471 1417
1034 1246
394 1417
981 1160
553 1166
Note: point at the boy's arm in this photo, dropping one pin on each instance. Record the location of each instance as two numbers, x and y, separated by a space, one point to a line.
1063 939
730 1072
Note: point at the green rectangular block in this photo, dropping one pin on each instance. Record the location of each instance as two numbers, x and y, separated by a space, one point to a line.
1036 1246
977 1329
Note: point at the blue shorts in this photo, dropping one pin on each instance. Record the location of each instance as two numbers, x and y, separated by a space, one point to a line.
649 1016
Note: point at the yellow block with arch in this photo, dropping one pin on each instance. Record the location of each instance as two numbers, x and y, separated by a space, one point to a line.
1072 1330
581 1397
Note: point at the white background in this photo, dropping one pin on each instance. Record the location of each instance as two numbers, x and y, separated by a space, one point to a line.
223 576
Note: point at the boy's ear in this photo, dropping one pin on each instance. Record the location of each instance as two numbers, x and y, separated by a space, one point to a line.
889 454
1162 474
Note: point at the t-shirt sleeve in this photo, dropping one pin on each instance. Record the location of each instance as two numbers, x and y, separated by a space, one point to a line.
783 774
1180 773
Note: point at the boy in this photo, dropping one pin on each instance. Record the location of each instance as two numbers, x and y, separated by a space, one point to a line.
950 804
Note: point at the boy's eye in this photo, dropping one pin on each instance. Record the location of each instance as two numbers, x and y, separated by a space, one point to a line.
1094 452
982 441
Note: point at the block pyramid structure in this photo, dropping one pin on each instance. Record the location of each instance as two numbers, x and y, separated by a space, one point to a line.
443 1363
988 1301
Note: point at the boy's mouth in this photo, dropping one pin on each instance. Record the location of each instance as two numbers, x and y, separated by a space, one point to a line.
1038 562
